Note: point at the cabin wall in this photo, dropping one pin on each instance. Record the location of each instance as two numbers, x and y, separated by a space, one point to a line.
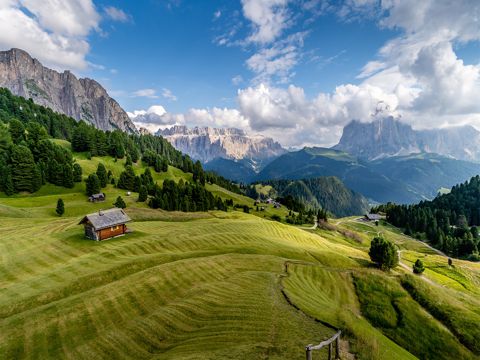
90 232
111 232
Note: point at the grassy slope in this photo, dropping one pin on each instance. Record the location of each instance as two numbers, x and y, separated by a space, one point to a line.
209 285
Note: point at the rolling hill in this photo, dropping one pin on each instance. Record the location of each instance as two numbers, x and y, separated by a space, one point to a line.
217 284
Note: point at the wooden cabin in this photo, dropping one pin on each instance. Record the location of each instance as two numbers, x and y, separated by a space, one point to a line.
97 197
373 217
106 224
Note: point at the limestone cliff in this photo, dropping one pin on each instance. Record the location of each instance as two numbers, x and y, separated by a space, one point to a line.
82 99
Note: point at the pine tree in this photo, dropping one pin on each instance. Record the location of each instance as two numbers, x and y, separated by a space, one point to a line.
128 161
8 187
143 194
102 175
119 203
77 173
60 207
93 185
127 179
17 131
23 168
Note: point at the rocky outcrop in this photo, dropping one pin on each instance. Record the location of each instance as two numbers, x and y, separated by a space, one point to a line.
82 99
206 144
389 137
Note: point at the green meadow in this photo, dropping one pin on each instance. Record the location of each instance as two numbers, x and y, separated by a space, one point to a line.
219 285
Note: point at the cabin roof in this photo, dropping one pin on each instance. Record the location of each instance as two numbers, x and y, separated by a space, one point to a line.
97 196
106 218
373 216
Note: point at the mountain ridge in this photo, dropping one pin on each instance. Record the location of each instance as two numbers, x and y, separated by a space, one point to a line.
82 99
208 143
401 179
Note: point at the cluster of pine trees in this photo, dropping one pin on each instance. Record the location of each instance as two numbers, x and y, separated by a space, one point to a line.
28 159
449 221
326 192
185 196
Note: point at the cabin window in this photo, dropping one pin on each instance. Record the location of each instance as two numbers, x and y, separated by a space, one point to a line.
115 228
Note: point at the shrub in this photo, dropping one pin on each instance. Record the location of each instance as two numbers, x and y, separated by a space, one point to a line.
383 253
418 267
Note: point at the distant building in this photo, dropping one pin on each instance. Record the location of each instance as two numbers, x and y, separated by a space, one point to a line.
106 224
97 197
373 217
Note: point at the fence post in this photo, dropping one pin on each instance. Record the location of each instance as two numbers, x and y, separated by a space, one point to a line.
309 352
330 350
337 350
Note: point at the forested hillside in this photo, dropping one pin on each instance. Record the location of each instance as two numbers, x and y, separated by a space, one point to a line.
326 192
449 221
29 159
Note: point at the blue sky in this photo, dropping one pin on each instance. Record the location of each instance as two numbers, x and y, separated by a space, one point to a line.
296 70
172 45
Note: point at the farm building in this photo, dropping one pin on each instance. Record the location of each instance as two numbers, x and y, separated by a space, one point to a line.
97 197
373 217
105 224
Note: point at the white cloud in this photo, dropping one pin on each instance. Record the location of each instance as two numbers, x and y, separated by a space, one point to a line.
269 18
167 94
67 17
277 61
148 93
117 14
52 31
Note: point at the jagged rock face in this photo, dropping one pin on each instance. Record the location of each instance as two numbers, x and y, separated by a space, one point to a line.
206 144
389 137
82 99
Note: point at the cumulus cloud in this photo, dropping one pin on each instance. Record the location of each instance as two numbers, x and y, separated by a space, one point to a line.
157 117
268 17
52 31
55 32
278 60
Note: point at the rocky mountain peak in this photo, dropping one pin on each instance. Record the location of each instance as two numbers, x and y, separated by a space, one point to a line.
207 143
83 99
388 137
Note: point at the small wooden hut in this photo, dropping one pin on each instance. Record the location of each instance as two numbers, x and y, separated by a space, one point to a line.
105 224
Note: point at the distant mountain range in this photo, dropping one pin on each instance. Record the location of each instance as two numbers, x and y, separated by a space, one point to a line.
209 144
401 179
82 99
389 137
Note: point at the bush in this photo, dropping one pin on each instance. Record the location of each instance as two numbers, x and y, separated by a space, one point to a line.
418 267
383 253
276 217
246 209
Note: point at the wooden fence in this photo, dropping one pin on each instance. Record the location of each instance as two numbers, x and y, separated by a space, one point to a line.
329 342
